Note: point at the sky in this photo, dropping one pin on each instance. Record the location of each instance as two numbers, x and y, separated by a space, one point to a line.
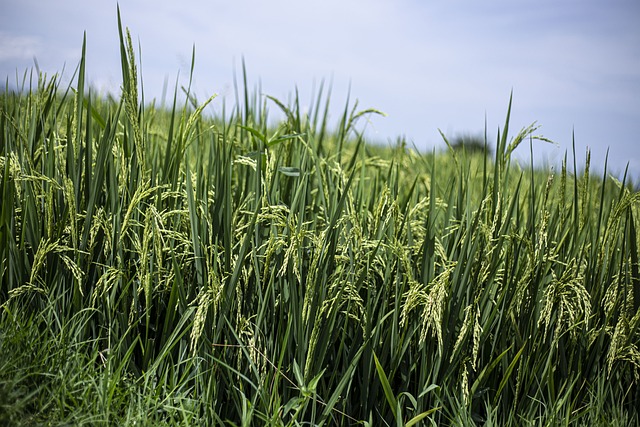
573 66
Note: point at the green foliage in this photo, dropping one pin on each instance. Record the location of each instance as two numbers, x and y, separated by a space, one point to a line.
157 267
472 144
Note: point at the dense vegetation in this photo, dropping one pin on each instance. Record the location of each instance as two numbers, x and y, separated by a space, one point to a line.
160 267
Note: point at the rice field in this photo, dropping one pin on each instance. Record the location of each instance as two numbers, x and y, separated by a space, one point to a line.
159 266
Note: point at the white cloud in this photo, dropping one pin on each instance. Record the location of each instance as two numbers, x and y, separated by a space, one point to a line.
16 47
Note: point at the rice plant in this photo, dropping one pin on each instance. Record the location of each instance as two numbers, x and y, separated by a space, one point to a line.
163 267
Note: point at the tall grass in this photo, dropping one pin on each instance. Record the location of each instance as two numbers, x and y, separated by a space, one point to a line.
160 267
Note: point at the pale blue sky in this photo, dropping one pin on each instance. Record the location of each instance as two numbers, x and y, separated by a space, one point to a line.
572 65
